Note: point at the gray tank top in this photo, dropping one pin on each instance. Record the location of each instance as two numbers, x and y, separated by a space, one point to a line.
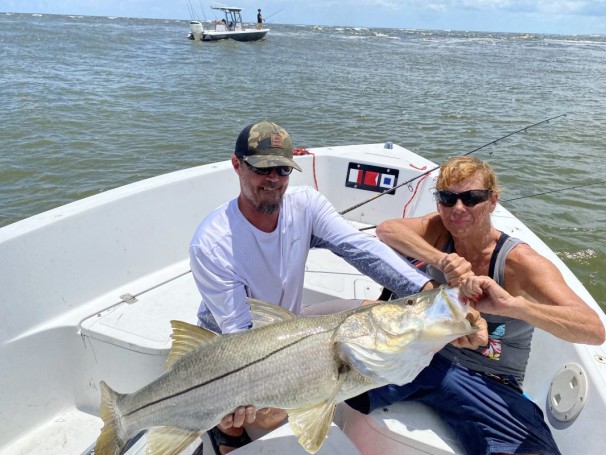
509 339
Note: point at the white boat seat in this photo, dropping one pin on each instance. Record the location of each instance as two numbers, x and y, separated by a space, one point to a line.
143 323
138 332
408 427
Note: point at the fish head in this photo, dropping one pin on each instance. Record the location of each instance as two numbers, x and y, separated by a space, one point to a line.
444 312
391 342
390 329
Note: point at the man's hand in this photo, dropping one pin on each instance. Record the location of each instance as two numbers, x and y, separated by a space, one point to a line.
431 284
267 418
270 418
242 415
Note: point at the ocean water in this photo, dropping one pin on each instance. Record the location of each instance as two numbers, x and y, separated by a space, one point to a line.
92 103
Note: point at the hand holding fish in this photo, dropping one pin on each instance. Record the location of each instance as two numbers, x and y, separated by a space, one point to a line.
454 267
266 418
242 415
487 296
474 340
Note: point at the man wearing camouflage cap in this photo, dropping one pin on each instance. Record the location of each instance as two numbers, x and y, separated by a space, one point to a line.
256 245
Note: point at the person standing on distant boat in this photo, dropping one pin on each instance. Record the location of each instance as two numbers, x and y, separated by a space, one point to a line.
259 19
478 392
257 244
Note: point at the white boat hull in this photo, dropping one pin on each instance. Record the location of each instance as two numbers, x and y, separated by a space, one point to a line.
243 35
88 290
221 32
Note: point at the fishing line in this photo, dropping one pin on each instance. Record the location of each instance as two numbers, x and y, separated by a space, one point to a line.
203 13
273 14
393 190
192 12
553 191
366 228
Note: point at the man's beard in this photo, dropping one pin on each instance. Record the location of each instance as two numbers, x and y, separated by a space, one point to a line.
266 204
268 208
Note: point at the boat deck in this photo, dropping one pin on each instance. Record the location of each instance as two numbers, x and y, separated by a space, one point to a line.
82 323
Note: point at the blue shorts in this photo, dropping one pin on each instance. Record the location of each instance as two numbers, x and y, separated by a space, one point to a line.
485 415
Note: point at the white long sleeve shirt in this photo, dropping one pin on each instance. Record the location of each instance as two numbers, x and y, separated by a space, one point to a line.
232 260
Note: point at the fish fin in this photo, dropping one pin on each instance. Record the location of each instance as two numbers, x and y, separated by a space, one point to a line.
186 338
264 313
310 425
112 439
169 440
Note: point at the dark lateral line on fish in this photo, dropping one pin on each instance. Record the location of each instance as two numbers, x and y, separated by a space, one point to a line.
152 403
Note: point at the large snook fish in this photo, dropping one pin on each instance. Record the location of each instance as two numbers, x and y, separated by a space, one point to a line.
302 364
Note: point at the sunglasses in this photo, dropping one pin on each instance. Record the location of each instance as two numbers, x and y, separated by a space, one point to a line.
468 198
282 171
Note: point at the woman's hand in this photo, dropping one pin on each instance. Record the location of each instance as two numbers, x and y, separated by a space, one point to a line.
455 268
474 340
487 296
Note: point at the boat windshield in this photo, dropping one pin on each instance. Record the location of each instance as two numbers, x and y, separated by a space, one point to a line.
232 16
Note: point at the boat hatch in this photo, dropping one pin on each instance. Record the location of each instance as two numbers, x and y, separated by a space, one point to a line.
142 323
136 336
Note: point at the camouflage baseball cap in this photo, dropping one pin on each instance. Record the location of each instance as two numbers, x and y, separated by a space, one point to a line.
265 144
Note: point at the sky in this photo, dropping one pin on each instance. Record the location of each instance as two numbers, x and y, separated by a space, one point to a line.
569 17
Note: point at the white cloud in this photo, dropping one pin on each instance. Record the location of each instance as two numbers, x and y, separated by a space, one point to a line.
547 16
593 7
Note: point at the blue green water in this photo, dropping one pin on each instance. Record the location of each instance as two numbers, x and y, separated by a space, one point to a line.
92 103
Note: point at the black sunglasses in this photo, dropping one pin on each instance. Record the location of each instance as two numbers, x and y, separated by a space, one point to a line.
282 171
468 198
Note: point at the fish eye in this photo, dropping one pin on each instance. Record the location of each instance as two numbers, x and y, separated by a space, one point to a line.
409 302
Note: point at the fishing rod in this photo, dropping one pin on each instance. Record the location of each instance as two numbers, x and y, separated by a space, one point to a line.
191 11
203 13
273 14
393 190
366 228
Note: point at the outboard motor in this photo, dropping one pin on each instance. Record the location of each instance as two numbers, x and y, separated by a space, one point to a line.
196 30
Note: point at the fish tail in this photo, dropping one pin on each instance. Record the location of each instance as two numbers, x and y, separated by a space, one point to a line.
111 441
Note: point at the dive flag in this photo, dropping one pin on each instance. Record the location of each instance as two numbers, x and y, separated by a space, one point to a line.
387 181
355 176
371 178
